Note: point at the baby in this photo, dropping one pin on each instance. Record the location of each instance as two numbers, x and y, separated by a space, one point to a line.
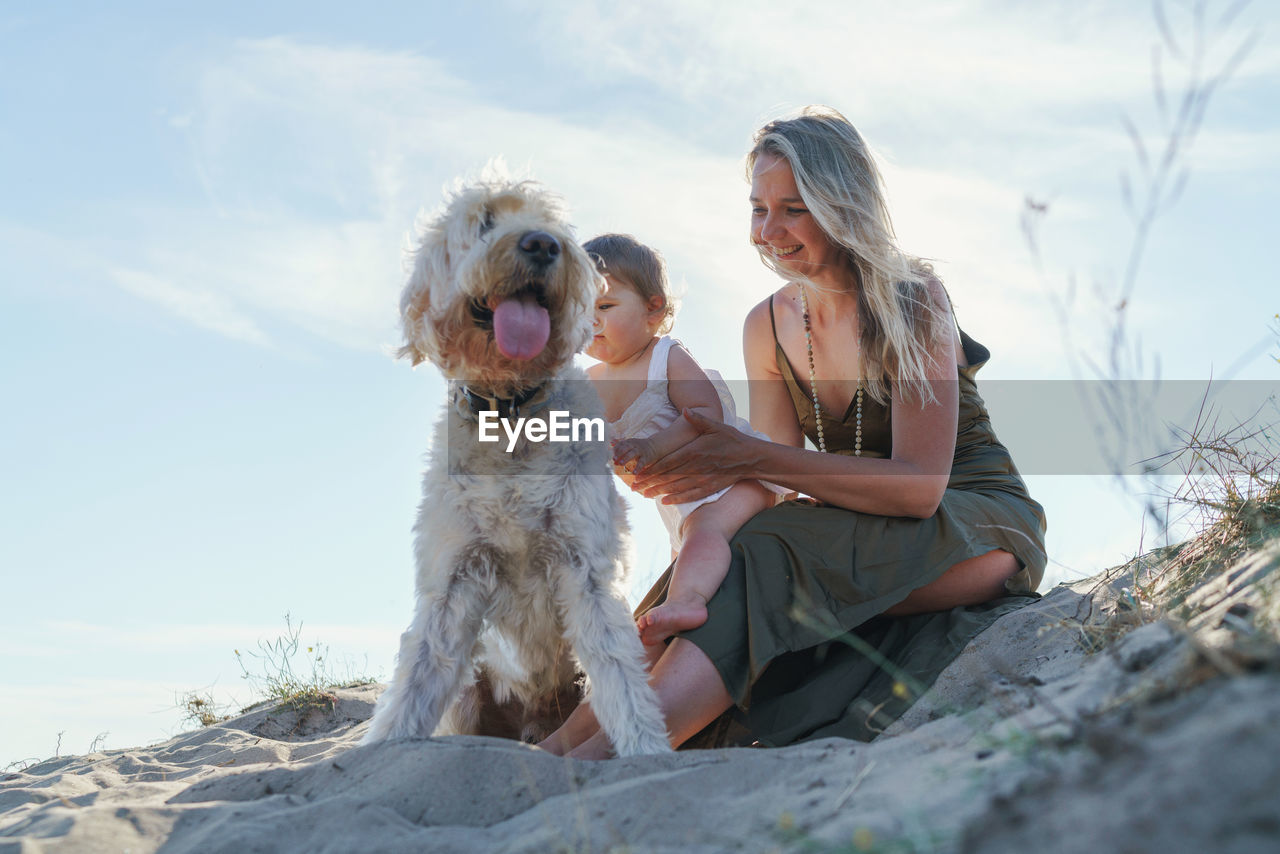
645 379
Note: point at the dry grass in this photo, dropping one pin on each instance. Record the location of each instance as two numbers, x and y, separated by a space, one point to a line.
1227 493
284 672
199 707
1230 487
1218 590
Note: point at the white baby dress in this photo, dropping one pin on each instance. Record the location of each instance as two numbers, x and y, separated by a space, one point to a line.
653 410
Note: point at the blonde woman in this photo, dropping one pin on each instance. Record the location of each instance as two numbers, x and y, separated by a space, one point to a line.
919 530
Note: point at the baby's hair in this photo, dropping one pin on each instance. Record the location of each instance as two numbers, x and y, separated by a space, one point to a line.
623 258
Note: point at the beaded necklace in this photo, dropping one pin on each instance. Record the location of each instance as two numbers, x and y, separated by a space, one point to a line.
813 385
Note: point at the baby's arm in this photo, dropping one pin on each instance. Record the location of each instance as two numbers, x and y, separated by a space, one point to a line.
688 388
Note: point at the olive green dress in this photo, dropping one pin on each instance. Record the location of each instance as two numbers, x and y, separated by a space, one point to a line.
795 630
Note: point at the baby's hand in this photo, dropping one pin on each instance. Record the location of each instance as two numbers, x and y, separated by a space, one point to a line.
632 455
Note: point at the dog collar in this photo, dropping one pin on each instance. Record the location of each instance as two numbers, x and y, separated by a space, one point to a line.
471 403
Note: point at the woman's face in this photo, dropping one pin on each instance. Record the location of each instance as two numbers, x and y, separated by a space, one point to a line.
783 226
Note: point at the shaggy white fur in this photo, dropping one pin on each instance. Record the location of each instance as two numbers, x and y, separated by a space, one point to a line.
521 550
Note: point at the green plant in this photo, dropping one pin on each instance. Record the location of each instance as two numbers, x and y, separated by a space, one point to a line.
278 675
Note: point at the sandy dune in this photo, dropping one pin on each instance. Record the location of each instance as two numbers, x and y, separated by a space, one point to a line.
1165 740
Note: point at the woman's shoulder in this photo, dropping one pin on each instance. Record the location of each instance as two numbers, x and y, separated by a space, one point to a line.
760 337
936 290
758 322
934 317
924 298
924 283
762 318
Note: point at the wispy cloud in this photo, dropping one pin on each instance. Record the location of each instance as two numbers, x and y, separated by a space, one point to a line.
205 309
369 137
316 157
872 57
978 57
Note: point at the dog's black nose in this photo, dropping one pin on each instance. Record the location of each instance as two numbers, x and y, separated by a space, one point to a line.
539 247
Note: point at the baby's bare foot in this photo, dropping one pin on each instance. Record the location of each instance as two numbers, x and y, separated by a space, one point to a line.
671 617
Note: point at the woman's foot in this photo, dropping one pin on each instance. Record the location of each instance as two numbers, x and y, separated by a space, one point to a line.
555 744
596 747
577 728
670 617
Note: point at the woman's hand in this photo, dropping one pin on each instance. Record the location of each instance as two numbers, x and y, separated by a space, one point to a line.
717 458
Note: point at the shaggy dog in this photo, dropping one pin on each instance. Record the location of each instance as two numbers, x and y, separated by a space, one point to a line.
519 551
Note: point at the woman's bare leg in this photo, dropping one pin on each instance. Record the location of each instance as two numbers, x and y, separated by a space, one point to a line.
970 582
690 693
581 723
577 728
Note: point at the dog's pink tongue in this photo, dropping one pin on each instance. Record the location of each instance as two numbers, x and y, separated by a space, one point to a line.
521 327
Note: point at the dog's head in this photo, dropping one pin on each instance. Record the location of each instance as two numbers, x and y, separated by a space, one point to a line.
500 294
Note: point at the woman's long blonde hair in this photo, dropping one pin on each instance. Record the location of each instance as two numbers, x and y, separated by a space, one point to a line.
842 188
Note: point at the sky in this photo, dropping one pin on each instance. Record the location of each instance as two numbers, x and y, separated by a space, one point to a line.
204 215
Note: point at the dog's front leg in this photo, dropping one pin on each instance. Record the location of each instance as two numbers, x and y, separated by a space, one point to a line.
599 626
435 653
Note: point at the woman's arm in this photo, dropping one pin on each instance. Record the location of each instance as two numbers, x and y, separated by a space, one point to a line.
910 483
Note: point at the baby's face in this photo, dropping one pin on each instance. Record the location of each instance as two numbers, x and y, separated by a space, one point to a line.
624 323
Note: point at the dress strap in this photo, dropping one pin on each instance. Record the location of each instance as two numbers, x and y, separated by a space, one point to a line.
658 360
974 353
773 324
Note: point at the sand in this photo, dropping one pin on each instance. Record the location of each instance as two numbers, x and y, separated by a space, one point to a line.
1163 739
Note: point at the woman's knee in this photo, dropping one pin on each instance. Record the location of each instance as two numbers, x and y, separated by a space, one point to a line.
988 573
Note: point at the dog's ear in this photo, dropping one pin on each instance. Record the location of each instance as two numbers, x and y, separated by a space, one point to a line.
411 320
430 266
583 299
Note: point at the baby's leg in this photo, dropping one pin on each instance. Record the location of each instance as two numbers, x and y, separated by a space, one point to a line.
703 561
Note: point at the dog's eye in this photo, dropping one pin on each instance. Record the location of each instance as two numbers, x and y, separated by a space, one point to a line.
486 223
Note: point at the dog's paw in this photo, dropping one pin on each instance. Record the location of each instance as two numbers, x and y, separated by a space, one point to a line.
646 744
